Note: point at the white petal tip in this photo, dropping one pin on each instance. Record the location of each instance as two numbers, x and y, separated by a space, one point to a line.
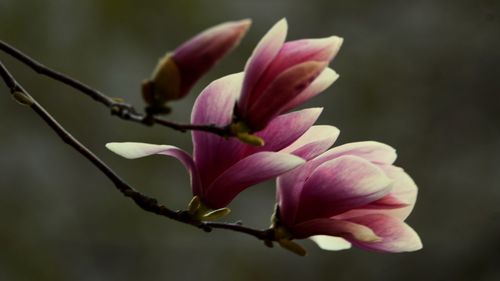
281 25
331 243
132 150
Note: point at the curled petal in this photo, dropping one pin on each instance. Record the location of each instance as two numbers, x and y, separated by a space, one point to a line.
290 185
215 106
331 243
299 51
396 236
313 142
251 170
321 83
404 189
339 185
262 56
215 103
398 203
372 151
133 150
285 129
284 88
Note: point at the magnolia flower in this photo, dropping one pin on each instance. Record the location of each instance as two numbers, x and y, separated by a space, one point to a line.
177 72
221 168
351 194
280 76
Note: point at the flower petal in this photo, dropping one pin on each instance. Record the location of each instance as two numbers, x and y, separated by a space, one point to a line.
332 227
196 56
262 56
285 87
403 188
313 142
321 83
285 129
215 106
133 150
396 236
296 52
331 243
372 151
398 203
215 103
339 185
251 170
288 190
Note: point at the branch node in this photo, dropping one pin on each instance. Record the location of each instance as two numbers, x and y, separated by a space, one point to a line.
22 98
269 243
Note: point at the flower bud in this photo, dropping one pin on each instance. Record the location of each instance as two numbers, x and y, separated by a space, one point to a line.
178 71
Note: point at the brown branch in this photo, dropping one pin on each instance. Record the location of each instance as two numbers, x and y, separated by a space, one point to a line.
145 202
122 110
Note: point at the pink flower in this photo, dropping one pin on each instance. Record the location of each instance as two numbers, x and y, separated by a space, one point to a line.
280 76
351 194
221 168
177 72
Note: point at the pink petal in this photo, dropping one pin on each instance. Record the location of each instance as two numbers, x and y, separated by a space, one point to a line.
339 185
196 56
372 151
324 80
290 185
339 228
133 150
215 103
398 203
215 106
297 52
404 189
313 142
247 172
288 189
285 87
285 129
262 56
396 236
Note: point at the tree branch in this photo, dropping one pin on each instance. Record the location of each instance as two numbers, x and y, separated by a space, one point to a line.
145 202
123 110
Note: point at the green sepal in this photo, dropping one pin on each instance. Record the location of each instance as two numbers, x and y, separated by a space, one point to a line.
292 246
243 133
164 86
199 211
284 237
194 205
215 214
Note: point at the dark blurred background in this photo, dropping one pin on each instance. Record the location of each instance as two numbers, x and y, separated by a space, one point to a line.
419 75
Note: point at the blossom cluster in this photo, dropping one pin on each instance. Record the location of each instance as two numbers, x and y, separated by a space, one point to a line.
351 194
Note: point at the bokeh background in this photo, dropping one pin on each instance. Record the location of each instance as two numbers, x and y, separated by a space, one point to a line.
422 76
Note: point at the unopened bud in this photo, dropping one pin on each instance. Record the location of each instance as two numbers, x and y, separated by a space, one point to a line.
164 85
22 98
177 72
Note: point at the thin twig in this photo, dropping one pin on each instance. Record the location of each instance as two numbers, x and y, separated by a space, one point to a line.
145 202
122 110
